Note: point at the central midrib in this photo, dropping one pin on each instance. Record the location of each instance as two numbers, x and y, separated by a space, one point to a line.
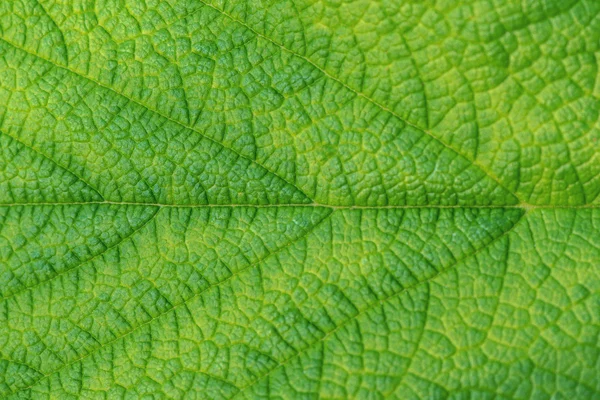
522 206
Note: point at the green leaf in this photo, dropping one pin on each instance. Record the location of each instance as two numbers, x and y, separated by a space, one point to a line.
299 199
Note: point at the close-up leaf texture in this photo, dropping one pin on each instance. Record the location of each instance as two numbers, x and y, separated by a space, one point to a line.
299 199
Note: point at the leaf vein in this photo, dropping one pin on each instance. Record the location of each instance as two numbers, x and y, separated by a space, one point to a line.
360 94
380 302
118 243
92 188
306 232
159 114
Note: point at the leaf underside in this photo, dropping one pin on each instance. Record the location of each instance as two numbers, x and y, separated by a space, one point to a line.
299 199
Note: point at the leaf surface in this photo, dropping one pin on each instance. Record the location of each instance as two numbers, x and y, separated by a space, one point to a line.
299 199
